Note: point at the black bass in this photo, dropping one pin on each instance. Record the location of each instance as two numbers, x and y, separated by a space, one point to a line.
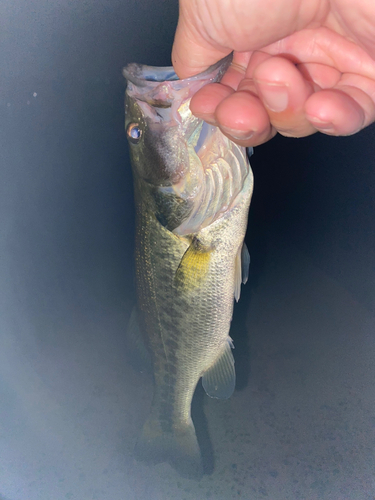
193 188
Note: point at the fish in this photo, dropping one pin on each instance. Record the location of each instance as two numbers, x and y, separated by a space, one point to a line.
192 192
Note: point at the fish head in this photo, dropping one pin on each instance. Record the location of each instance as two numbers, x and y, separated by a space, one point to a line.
176 157
156 139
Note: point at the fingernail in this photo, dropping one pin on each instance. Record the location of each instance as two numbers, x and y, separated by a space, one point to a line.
325 127
274 95
238 134
208 120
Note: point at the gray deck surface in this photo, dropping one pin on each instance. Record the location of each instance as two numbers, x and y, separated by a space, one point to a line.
301 427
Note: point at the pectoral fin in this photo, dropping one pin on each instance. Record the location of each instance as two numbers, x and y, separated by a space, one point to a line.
241 269
194 266
220 379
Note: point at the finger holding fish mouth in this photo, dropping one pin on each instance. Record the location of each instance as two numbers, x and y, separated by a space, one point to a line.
262 94
252 104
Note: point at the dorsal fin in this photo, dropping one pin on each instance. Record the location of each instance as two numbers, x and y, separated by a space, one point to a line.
241 270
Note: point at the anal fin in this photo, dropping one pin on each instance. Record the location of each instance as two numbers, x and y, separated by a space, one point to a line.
220 379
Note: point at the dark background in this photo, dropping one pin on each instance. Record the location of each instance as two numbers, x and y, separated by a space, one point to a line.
66 182
66 206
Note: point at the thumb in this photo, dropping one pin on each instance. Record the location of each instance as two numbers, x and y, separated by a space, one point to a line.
191 52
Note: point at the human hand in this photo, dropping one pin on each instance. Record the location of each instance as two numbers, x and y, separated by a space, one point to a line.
299 66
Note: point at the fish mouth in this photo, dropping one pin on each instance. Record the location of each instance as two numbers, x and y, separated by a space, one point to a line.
165 99
141 75
160 87
144 82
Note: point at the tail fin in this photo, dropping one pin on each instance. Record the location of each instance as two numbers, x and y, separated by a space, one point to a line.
179 447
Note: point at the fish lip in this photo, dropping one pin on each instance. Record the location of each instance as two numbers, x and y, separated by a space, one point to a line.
161 88
142 75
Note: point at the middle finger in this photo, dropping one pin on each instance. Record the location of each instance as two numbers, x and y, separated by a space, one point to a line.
283 92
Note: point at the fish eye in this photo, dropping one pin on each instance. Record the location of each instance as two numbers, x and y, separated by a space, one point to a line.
134 133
